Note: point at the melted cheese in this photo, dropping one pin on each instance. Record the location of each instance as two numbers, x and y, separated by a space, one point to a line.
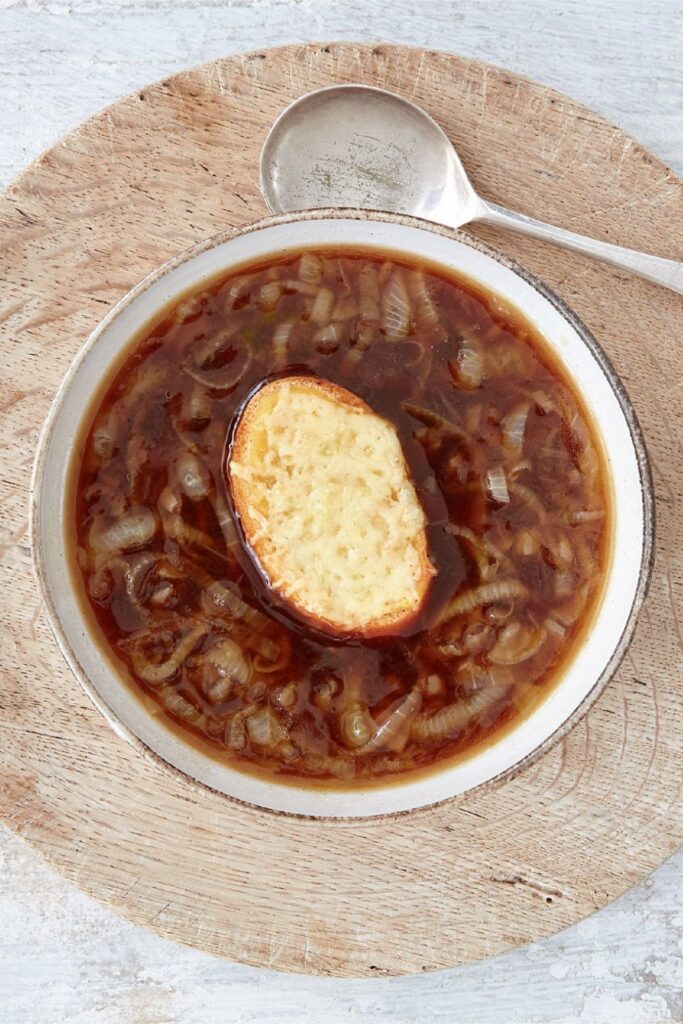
322 489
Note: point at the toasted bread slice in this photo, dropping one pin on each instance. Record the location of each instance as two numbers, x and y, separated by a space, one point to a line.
322 490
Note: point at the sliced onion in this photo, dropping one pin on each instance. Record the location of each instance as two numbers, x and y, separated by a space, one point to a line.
222 378
561 550
476 638
272 657
161 673
223 598
527 543
188 536
268 296
434 421
264 728
455 718
188 309
496 485
555 628
170 501
519 467
129 532
486 593
229 661
486 554
281 336
225 520
193 476
235 732
237 289
500 612
472 678
357 725
517 642
587 516
310 267
514 428
396 308
176 703
425 307
321 311
293 284
200 405
136 571
393 733
468 369
327 338
543 401
285 696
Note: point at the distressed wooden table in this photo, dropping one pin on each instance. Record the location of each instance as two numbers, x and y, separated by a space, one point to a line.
574 977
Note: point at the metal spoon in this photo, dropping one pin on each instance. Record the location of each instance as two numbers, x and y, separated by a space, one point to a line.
356 146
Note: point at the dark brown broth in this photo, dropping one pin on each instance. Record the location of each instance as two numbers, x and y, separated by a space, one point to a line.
147 596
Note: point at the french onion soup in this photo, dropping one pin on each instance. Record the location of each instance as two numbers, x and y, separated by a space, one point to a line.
340 517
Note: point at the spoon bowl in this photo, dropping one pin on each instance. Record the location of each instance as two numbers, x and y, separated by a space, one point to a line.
358 146
354 146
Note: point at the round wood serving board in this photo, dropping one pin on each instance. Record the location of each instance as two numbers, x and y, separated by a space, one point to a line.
136 184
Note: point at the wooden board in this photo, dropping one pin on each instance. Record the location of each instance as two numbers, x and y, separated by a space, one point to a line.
137 183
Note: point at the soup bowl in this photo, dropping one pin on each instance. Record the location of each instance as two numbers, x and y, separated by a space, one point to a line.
592 663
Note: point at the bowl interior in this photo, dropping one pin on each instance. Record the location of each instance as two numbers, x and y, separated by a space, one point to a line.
583 676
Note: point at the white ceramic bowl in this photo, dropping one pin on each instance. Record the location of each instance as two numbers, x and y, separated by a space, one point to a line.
583 678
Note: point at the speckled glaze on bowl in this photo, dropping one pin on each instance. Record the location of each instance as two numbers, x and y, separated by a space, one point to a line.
583 678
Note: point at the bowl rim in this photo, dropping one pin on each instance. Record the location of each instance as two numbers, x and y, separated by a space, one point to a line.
354 214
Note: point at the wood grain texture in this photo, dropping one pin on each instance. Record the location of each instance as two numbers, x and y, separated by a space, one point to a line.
140 181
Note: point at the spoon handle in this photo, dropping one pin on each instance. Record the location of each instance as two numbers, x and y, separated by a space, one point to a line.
668 273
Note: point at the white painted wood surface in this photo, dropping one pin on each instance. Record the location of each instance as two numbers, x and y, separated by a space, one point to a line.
62 957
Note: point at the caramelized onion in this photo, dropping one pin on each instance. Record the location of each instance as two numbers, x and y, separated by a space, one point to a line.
321 311
310 267
455 718
393 733
497 486
486 593
224 377
224 598
425 307
269 296
193 476
131 531
264 728
285 696
327 339
514 427
229 662
281 336
468 369
434 421
161 673
517 642
357 725
200 405
181 707
396 308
